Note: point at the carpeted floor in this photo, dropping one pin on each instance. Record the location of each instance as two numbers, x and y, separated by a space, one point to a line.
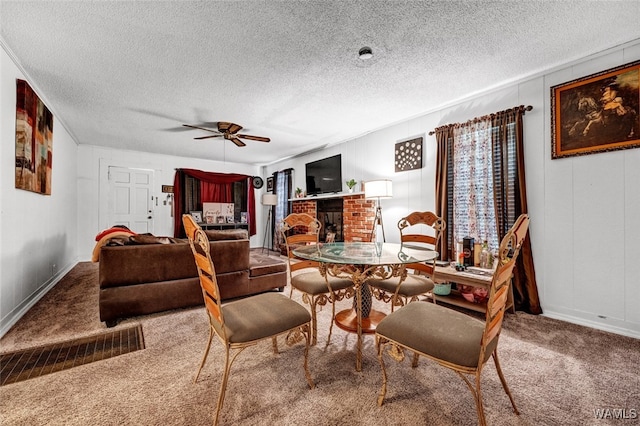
559 373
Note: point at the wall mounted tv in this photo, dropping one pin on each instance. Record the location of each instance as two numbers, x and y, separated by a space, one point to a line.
324 176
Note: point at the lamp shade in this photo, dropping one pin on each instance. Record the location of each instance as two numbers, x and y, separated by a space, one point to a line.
269 199
378 189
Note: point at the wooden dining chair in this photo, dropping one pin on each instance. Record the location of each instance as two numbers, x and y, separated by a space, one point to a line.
304 275
245 322
451 338
400 291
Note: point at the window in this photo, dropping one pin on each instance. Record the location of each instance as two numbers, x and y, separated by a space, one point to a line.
475 165
490 160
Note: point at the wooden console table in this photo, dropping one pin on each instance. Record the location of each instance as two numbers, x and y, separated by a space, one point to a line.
445 274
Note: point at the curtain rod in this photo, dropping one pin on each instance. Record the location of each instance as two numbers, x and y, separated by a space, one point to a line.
484 117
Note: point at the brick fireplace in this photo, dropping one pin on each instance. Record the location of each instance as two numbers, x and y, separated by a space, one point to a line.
358 214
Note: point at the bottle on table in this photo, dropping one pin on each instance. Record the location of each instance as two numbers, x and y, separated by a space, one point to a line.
485 255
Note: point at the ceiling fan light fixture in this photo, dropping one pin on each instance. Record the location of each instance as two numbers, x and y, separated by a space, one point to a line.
229 131
365 53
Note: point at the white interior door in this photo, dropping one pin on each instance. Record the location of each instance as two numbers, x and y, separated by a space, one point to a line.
130 199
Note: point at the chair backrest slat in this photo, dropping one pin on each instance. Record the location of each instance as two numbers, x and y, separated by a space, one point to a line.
419 238
200 247
303 264
500 300
502 275
213 307
202 262
494 327
300 239
501 283
422 267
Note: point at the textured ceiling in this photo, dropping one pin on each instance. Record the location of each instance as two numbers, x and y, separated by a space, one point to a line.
128 74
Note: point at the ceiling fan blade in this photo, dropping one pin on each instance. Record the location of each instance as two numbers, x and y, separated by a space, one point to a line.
225 126
237 141
210 136
254 138
201 128
235 128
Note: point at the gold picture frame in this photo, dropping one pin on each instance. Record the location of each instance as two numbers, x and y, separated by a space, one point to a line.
596 113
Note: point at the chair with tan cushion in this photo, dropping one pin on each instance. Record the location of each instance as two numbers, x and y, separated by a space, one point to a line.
300 229
451 338
245 322
398 292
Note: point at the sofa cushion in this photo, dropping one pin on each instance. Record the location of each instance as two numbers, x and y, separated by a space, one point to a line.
264 265
147 298
228 256
233 284
139 264
149 239
226 234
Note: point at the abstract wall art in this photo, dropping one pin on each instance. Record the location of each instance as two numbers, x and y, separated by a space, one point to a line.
408 154
34 141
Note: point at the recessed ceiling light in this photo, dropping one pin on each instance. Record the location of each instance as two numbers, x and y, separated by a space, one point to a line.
365 53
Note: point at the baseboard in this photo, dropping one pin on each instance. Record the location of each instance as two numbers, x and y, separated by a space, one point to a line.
18 312
620 327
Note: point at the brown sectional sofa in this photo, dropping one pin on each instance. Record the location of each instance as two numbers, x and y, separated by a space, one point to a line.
148 278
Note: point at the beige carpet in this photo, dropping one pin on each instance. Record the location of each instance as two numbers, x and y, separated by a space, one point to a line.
559 373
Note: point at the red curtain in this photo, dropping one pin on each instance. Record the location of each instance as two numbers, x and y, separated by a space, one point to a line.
217 185
215 192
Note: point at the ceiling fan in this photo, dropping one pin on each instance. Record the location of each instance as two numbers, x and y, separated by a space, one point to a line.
230 132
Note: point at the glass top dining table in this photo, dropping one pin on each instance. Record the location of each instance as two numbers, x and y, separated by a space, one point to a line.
361 262
364 253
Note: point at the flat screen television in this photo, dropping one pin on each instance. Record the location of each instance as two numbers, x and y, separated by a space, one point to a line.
324 176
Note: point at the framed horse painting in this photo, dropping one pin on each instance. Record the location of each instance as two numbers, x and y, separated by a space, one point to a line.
596 113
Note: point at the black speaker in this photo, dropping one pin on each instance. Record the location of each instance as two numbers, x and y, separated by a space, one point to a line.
467 249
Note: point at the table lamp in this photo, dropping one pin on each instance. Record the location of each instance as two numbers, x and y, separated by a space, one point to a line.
379 189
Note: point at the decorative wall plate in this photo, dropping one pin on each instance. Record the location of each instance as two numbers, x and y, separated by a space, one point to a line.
257 182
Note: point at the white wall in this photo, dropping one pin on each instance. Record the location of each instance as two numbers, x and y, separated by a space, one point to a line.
93 163
591 216
584 210
38 233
